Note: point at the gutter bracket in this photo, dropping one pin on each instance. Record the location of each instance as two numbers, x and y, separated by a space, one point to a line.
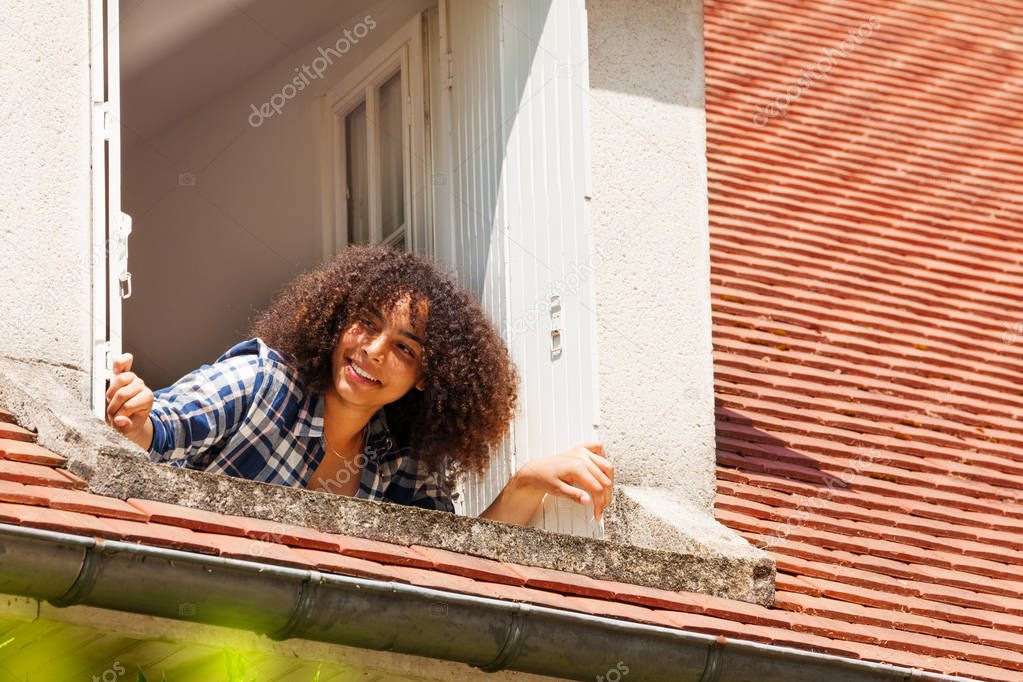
715 655
300 616
86 578
513 641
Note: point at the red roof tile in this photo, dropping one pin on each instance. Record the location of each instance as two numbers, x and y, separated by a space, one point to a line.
868 327
22 472
11 431
470 566
159 535
32 453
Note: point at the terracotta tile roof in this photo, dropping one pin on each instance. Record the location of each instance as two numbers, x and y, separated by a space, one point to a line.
866 320
868 325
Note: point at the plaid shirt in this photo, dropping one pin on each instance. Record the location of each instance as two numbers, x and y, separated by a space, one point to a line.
248 415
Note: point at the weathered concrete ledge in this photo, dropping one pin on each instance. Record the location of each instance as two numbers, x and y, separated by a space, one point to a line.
658 518
703 557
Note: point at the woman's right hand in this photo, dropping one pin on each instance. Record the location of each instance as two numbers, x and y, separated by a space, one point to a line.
129 402
583 474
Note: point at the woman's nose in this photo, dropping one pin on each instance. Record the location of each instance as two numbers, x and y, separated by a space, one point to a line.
375 346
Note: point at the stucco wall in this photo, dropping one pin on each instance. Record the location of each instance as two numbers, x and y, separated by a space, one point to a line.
649 212
46 187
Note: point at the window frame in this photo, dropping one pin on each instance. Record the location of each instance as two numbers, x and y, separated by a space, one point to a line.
402 52
109 227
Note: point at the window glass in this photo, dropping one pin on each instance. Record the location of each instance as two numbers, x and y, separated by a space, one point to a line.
357 174
392 175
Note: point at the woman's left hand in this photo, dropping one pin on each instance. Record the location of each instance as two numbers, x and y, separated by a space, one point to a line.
582 474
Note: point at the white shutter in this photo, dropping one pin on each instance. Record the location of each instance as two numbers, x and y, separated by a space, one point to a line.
108 259
469 228
521 232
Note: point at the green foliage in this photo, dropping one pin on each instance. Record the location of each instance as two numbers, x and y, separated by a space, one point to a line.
236 667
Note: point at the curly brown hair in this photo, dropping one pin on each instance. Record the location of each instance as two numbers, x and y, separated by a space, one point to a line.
470 395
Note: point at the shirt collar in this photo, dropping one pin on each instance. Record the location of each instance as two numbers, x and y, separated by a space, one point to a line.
310 425
378 440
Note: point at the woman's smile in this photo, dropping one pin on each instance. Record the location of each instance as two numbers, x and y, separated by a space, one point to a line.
359 376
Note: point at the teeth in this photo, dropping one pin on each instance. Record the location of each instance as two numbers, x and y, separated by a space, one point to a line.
361 373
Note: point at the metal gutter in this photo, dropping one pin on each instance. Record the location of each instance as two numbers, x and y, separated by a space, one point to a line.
489 634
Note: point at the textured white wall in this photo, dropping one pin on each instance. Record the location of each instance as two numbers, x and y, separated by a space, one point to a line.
649 212
46 186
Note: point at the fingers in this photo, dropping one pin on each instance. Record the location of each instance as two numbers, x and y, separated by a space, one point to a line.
602 461
119 381
586 479
597 458
597 472
608 470
604 494
122 363
141 402
571 492
117 396
582 474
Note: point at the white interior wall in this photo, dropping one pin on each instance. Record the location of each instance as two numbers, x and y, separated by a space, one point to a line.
226 213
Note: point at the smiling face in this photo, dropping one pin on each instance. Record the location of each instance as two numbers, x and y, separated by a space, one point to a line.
379 357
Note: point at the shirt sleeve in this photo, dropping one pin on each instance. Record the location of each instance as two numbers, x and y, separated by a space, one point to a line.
430 492
194 417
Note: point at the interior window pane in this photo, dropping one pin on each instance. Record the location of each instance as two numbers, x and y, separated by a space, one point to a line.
392 175
358 178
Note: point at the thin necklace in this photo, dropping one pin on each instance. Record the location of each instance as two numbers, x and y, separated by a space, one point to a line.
337 453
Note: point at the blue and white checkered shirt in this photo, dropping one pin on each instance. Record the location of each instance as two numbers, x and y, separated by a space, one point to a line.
248 415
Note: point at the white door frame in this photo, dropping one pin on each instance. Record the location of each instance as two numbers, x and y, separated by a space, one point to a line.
109 227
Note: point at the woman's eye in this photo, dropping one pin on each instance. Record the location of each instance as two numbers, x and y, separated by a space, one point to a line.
407 351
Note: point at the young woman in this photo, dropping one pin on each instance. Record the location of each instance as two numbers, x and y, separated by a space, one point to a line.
375 376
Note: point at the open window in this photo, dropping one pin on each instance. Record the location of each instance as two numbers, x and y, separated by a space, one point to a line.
452 128
372 141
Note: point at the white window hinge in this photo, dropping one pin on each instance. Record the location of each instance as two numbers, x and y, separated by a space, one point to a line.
103 355
124 279
101 110
123 230
556 339
125 284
